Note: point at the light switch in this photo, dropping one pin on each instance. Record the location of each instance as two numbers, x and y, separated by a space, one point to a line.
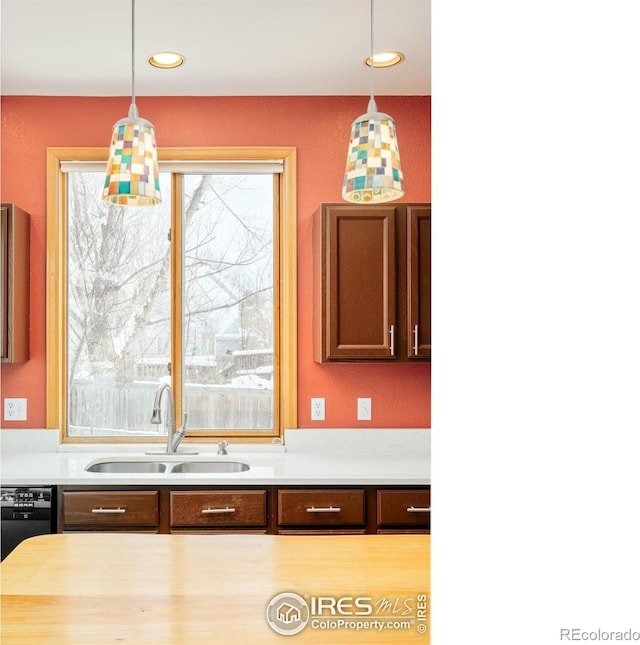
364 409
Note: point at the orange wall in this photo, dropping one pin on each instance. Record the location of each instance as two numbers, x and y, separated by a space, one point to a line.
317 126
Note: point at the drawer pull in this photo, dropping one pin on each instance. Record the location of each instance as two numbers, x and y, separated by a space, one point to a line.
108 510
418 509
326 509
209 511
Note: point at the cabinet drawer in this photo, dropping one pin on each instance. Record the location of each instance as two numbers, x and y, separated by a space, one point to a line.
113 508
219 508
404 507
319 507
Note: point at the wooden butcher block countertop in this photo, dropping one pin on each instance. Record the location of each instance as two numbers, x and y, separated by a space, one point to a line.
198 589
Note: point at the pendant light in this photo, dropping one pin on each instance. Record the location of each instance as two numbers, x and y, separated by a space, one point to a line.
373 172
133 178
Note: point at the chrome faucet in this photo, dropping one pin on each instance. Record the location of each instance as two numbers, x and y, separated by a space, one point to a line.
222 447
173 437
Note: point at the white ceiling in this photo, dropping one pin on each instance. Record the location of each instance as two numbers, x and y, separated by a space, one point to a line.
232 47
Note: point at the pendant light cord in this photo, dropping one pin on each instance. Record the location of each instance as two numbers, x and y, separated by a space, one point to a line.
371 45
133 52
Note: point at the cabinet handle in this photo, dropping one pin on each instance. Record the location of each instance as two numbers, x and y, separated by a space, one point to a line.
392 333
415 340
418 509
218 510
327 509
108 510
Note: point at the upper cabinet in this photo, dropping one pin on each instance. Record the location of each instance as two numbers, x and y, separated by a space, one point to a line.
372 282
14 284
419 280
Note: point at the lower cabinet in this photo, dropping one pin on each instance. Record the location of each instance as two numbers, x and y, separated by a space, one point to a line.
220 509
301 510
321 511
404 511
123 509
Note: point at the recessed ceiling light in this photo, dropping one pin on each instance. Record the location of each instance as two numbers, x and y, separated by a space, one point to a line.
385 59
166 60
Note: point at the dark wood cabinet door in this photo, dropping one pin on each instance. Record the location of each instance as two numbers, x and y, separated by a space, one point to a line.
4 283
419 281
14 284
357 271
372 282
321 507
87 509
402 508
220 508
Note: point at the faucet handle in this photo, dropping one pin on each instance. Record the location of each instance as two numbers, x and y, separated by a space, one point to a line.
222 447
185 415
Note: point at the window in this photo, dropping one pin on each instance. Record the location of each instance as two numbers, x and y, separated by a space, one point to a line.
198 291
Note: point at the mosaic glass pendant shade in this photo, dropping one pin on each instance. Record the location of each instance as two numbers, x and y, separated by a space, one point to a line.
133 178
373 173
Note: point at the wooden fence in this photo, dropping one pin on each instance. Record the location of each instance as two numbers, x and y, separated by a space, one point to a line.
104 407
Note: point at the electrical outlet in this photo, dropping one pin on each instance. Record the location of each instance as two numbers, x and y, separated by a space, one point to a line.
317 409
364 409
15 409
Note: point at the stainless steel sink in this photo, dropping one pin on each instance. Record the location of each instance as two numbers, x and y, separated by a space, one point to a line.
210 467
166 465
127 467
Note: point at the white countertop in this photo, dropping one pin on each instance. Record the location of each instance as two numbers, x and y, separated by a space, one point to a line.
311 457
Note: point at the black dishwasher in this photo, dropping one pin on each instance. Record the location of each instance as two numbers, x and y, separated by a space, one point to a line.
26 511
